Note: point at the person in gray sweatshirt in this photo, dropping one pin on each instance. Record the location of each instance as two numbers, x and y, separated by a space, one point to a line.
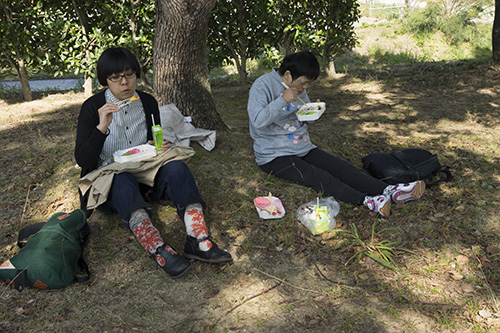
283 148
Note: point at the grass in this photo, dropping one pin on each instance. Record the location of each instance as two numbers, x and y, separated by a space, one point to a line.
381 251
450 281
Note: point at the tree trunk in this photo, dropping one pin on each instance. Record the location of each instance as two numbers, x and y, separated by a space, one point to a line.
81 12
87 86
496 34
179 62
242 69
331 73
242 40
133 30
287 43
240 62
23 78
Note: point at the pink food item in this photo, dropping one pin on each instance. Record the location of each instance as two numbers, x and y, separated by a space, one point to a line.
270 204
132 152
261 202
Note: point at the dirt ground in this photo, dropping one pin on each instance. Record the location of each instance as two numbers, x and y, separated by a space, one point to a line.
283 278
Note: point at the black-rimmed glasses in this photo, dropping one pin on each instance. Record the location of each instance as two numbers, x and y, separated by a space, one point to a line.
118 78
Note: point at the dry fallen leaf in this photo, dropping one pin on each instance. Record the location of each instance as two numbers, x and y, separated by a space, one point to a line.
211 293
240 239
462 260
314 322
363 276
467 288
492 249
321 300
327 235
485 313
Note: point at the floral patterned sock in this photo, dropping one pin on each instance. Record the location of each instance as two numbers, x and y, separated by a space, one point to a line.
150 239
195 225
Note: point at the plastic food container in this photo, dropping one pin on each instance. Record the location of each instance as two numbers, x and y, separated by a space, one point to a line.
269 207
134 154
319 216
311 111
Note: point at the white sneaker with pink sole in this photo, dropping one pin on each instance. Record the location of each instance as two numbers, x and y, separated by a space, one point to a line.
401 193
379 203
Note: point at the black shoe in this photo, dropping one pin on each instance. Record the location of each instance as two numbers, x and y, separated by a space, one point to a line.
175 264
214 255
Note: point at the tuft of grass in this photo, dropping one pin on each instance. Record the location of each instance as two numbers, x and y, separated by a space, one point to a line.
382 251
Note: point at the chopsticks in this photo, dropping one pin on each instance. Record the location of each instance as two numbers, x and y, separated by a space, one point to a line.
127 101
286 86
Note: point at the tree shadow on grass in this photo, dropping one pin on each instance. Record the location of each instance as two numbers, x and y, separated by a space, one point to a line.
449 109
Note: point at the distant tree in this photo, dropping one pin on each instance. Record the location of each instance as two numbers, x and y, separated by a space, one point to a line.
90 27
290 18
27 37
326 27
467 9
180 60
238 29
334 29
137 31
242 29
85 43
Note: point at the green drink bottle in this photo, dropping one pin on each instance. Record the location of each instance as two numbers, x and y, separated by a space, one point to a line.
157 134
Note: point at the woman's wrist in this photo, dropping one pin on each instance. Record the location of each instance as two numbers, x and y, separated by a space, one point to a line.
103 130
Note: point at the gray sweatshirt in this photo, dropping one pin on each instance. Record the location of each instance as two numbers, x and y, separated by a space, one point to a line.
274 127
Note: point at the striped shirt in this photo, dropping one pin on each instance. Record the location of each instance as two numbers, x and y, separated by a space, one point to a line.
128 129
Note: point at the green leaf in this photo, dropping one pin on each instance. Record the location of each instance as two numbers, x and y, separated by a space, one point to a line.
381 261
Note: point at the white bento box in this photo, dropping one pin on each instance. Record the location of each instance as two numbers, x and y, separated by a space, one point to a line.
311 111
134 154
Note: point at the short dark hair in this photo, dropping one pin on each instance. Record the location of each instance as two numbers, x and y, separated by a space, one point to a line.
302 63
116 60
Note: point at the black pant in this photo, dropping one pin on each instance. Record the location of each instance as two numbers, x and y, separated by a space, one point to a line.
328 174
174 181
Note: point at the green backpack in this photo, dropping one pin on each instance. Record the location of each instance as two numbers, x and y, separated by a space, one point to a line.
50 258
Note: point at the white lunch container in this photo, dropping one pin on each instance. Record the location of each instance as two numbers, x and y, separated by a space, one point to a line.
311 111
134 154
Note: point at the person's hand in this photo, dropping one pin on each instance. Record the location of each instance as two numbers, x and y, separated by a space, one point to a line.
291 95
165 145
106 116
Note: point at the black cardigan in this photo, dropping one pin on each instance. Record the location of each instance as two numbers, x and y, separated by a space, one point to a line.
90 140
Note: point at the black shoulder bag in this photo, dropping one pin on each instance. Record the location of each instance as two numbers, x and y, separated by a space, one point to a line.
407 165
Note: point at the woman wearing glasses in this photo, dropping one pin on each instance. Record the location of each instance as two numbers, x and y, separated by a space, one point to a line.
104 126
